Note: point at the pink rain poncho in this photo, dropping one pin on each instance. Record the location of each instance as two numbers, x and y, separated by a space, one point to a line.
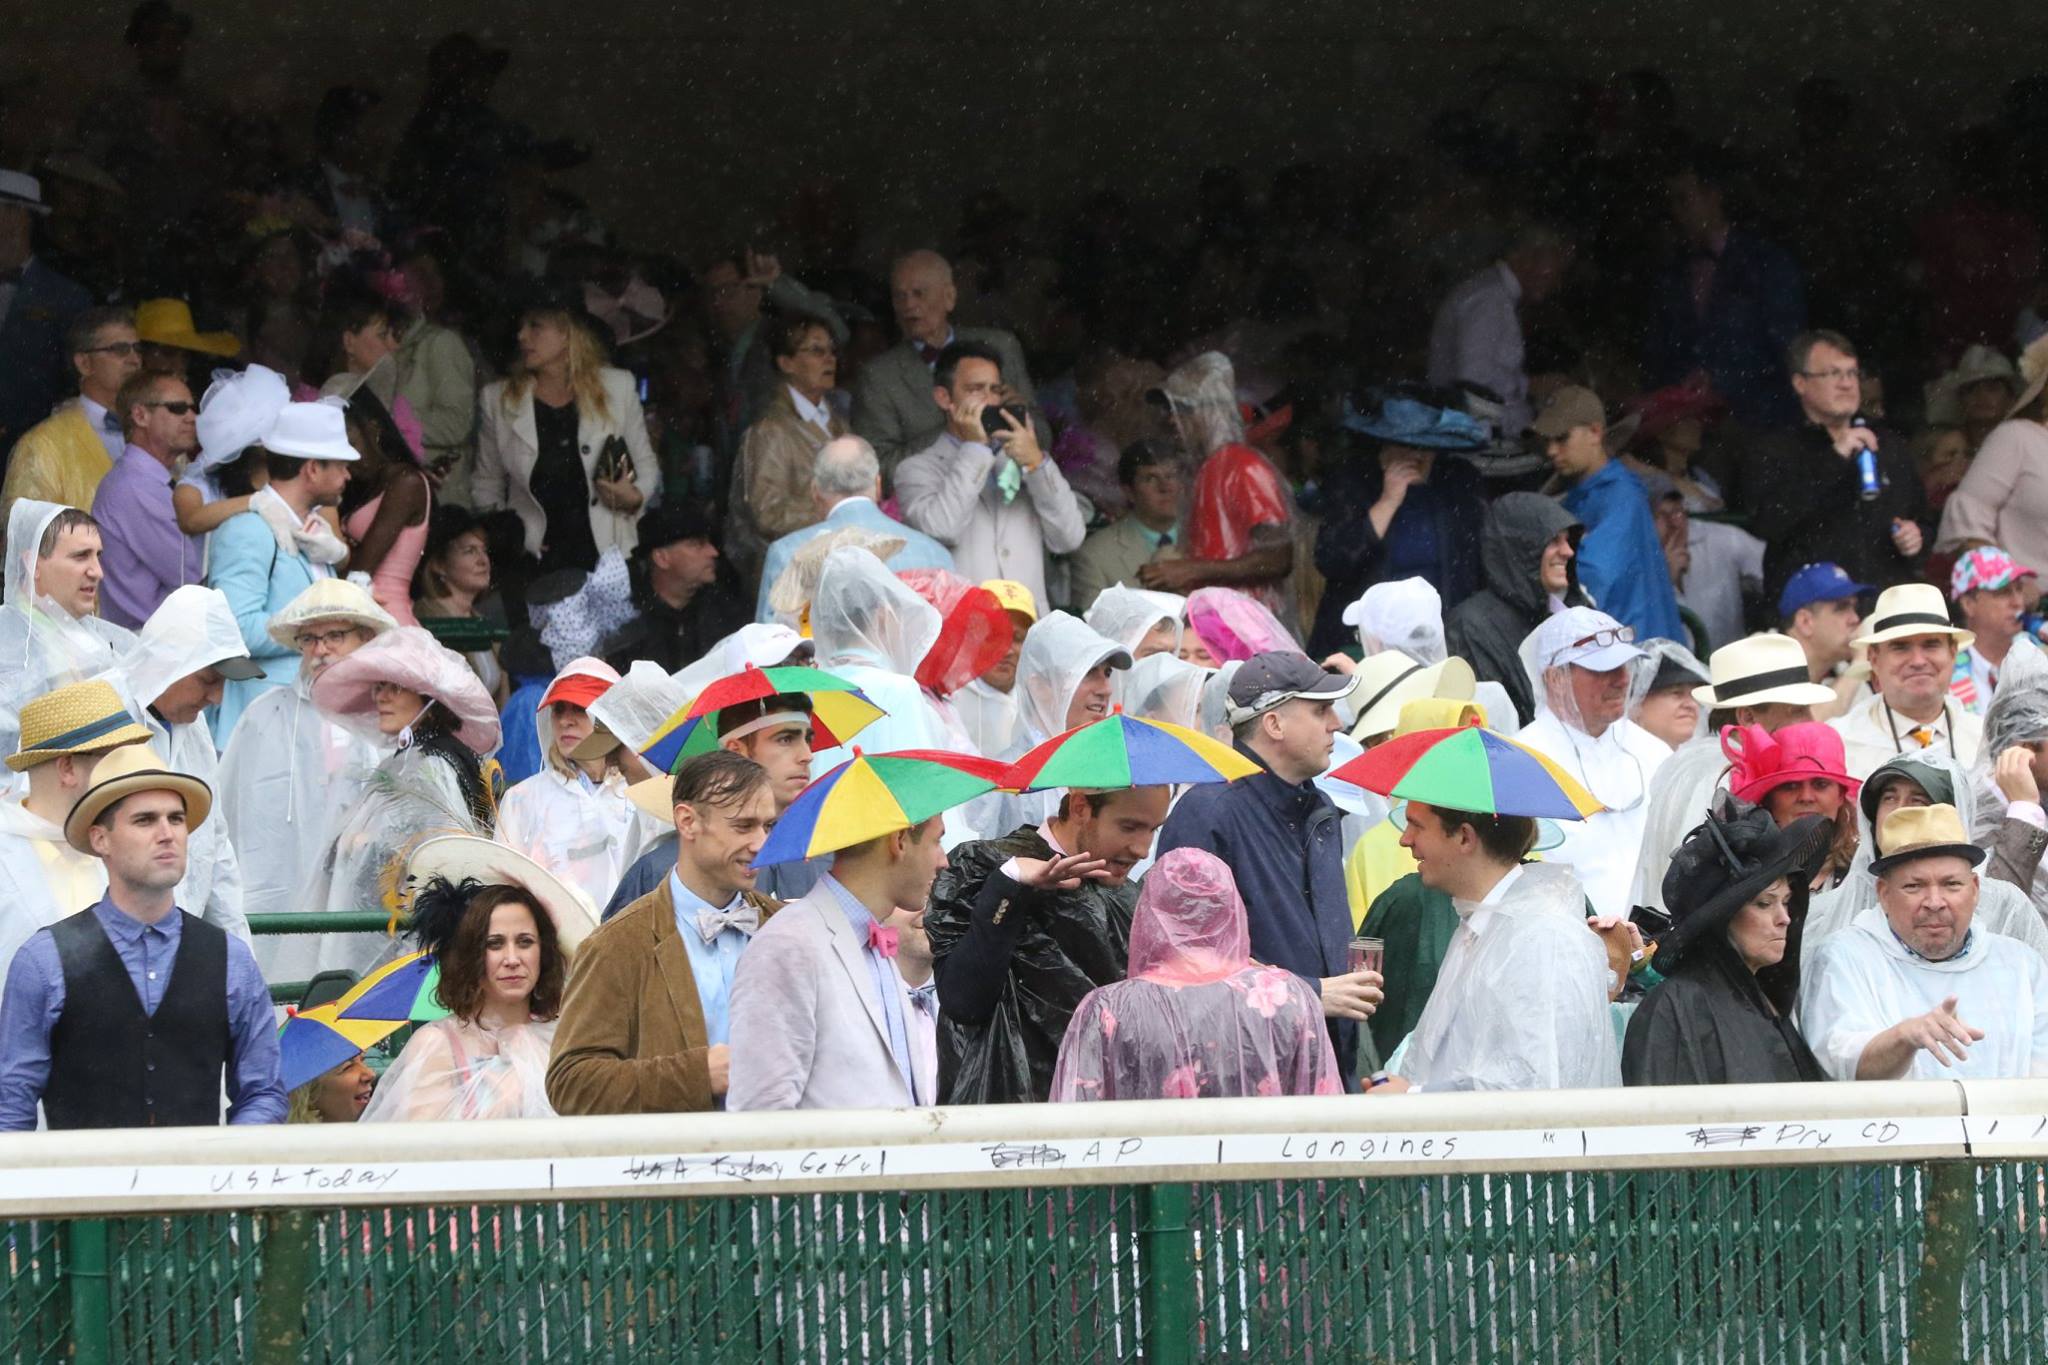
1197 1017
1234 626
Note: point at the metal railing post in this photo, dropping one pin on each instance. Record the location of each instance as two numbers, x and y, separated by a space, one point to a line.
87 1276
1949 1217
1166 1251
281 1294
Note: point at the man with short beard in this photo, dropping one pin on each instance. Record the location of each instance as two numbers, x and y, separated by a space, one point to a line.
1912 661
1974 1003
1022 927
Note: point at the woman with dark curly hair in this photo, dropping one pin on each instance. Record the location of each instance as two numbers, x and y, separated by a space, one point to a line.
502 947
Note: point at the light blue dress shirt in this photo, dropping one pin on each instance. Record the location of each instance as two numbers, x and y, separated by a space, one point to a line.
711 963
888 985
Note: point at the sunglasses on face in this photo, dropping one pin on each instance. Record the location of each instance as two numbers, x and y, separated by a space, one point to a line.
177 407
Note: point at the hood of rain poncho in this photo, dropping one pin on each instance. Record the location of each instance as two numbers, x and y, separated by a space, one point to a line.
1216 700
974 630
640 703
1059 652
1406 614
1128 615
55 647
594 669
1162 687
863 614
238 411
798 585
1201 397
194 628
416 661
1665 657
1548 641
2018 714
1189 925
1234 626
1518 526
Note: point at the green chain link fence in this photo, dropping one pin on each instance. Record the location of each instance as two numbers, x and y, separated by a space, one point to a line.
1851 1263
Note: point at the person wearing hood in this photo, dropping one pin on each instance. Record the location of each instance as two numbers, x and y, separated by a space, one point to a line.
572 817
268 555
1021 927
988 704
974 634
1410 509
1914 988
2010 774
1143 622
1066 678
1227 625
1723 1014
1660 697
1578 664
403 688
1282 835
1240 522
50 633
185 654
1528 554
42 877
1192 981
287 769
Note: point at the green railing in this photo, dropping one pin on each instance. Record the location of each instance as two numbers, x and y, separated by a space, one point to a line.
314 922
1793 1223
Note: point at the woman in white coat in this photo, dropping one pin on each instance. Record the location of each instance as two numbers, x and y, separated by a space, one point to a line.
565 431
573 816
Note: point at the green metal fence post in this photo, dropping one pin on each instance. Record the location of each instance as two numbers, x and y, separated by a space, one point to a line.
281 1294
85 1269
1950 1221
1166 1251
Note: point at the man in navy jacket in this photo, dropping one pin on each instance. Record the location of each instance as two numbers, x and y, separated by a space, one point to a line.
1281 836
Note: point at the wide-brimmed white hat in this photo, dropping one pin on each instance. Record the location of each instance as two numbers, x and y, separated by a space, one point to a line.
20 190
311 431
329 599
413 659
1760 670
1910 609
460 857
1389 680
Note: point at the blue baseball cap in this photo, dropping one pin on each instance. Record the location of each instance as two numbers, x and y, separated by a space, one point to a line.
1817 583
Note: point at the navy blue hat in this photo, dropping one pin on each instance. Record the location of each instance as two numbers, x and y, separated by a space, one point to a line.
1817 583
1412 422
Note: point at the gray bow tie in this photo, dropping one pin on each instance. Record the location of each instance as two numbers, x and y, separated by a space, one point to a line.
743 917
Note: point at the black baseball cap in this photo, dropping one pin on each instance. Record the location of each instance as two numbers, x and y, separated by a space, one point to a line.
1267 680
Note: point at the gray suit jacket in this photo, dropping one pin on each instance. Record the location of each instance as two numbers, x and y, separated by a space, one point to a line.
807 1029
1108 557
892 396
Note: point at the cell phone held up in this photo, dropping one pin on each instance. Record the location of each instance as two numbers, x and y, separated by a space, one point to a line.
992 420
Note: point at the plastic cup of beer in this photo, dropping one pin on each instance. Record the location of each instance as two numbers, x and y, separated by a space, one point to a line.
1367 954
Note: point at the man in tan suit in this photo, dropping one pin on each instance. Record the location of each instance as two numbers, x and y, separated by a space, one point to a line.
646 1017
892 398
1150 474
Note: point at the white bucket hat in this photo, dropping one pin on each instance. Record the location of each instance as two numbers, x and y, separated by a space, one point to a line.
1761 670
311 431
329 599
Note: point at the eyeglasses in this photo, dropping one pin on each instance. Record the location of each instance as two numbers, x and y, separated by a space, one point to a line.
177 407
327 639
1601 639
817 350
1832 376
121 348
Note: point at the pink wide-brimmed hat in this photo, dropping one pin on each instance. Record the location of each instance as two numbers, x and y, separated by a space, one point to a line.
1763 762
413 659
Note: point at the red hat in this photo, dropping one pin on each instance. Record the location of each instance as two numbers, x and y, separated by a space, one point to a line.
974 631
581 683
1763 762
1662 409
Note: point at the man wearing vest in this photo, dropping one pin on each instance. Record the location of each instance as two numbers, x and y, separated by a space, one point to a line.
132 1013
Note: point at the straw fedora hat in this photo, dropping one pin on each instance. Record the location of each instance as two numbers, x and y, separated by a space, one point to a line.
329 599
122 773
1912 832
1760 670
460 857
1910 609
168 322
84 718
1389 680
651 796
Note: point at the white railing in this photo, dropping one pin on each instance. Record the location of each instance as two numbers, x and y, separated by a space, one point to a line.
977 1147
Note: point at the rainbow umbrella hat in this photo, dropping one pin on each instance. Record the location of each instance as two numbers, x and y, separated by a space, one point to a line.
1124 751
839 711
1470 769
314 1041
399 992
870 795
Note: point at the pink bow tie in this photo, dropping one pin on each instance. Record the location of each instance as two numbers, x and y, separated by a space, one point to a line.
882 940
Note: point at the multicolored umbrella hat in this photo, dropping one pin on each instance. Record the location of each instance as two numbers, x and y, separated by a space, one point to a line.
314 1041
870 795
399 992
1470 769
1125 751
839 711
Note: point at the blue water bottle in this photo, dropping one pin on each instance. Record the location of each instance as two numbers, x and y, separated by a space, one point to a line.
1866 473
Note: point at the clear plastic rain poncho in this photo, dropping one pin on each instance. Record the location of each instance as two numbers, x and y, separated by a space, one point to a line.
1196 1017
1216 701
1406 614
43 646
2018 715
194 628
1618 767
1662 653
2001 907
1233 626
580 830
1059 653
1521 1005
1128 615
451 1069
1162 687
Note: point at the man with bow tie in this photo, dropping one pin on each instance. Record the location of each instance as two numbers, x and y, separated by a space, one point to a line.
646 1023
62 458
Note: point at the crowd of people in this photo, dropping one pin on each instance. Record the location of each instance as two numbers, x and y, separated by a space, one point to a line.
392 563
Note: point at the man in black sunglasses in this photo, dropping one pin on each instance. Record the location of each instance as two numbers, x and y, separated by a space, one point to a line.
145 555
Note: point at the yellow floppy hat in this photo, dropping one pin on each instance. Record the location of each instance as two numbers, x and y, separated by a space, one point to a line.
168 322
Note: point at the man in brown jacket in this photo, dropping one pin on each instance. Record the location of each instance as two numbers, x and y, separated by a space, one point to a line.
644 1021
